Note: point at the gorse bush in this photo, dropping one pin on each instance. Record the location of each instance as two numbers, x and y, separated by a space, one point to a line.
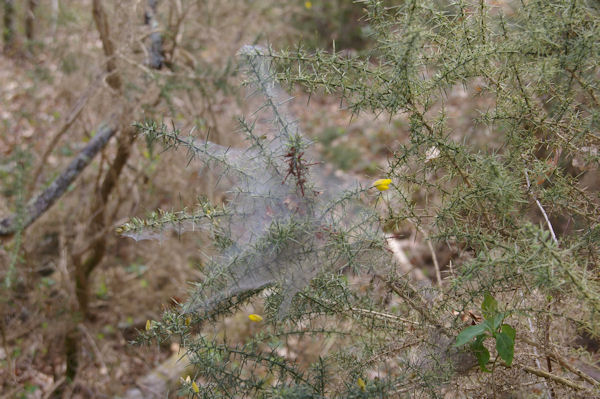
277 227
286 226
505 180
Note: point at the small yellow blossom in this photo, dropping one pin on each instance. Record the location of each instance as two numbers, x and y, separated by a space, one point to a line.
382 184
195 387
188 321
308 5
255 317
361 384
148 325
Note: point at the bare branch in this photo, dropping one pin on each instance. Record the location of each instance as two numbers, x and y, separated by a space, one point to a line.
101 20
555 378
41 203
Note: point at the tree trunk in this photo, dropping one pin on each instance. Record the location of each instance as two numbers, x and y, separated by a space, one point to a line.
83 269
156 57
8 34
30 19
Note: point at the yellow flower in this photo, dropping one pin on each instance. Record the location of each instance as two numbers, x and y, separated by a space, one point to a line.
148 325
195 387
188 321
308 5
382 184
255 317
361 384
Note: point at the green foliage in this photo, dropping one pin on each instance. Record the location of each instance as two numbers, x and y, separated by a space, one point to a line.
533 65
491 327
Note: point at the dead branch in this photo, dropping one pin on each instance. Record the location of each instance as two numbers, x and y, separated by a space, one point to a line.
551 353
555 378
156 56
101 20
84 268
41 203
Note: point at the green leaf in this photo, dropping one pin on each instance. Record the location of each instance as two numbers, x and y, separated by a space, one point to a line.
497 320
481 353
489 325
508 330
489 306
469 333
505 346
